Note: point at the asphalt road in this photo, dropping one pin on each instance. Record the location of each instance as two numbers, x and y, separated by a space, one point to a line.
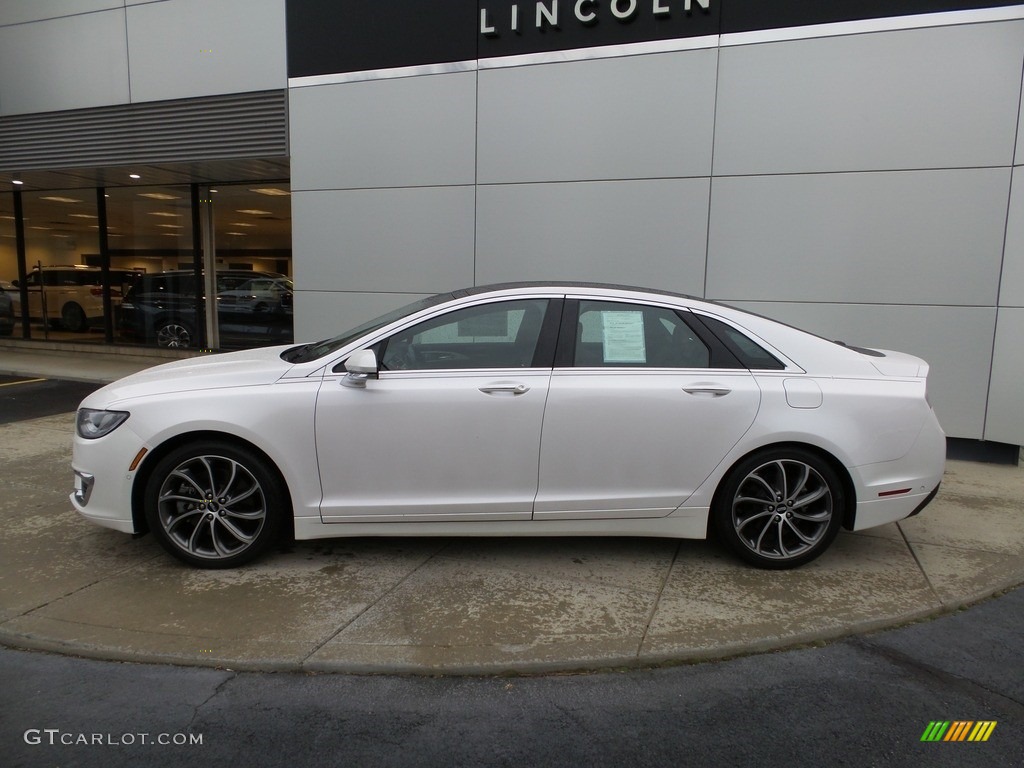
861 702
26 397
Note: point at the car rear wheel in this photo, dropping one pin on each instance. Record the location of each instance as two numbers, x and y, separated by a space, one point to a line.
174 334
73 317
779 508
215 505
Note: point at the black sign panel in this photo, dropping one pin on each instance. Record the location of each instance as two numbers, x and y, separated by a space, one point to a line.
511 27
751 15
330 36
336 36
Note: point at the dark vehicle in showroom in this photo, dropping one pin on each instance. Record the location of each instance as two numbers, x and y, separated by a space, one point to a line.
8 303
166 309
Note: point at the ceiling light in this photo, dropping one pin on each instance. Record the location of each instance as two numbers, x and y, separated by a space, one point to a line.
82 216
159 196
240 234
134 176
58 199
271 191
171 226
19 182
241 224
254 212
165 214
44 229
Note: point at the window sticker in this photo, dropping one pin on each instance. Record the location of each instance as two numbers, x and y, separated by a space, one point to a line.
624 337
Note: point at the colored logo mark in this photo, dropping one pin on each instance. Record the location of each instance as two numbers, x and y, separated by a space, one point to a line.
958 730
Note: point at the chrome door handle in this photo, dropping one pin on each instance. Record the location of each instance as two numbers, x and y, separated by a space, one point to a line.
515 389
712 391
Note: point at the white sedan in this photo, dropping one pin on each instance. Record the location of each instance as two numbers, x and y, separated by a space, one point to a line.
518 410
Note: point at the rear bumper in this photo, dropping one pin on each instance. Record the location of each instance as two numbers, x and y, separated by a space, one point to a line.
894 490
927 500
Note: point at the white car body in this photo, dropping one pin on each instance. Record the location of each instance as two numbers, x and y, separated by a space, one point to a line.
562 449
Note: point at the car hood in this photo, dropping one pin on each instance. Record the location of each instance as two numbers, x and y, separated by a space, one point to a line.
250 367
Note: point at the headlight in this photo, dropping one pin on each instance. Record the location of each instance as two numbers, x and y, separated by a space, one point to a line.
91 424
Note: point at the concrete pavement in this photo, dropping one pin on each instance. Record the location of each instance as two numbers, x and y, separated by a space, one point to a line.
465 605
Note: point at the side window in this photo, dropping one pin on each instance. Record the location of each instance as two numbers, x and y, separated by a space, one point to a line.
613 335
499 335
749 352
83 277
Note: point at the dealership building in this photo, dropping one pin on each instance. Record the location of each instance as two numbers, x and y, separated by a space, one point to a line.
849 166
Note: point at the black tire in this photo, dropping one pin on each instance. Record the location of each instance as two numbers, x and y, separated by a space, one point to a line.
175 334
73 317
215 505
779 508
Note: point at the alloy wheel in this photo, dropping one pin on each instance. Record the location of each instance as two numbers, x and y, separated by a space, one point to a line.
173 335
782 509
211 507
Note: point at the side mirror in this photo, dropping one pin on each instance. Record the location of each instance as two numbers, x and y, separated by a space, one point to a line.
361 365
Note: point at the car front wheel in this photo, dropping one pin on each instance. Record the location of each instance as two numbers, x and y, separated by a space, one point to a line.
174 334
215 505
779 508
73 317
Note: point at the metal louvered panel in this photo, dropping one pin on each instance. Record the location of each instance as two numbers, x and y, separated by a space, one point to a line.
212 128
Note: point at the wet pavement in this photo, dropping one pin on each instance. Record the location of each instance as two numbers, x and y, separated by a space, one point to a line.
460 605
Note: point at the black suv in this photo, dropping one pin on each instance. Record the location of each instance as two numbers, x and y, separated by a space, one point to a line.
162 309
8 300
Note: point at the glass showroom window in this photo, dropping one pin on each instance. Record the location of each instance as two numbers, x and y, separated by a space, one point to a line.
149 234
252 237
65 293
10 312
236 243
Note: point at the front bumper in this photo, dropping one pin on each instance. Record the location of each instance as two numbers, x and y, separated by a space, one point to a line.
103 482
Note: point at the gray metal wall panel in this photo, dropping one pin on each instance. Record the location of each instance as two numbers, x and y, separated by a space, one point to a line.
637 117
956 342
635 232
66 63
323 314
931 98
387 240
187 48
406 132
1006 397
23 11
921 237
1011 289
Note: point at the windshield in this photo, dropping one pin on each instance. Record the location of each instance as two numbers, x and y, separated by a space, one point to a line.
308 352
